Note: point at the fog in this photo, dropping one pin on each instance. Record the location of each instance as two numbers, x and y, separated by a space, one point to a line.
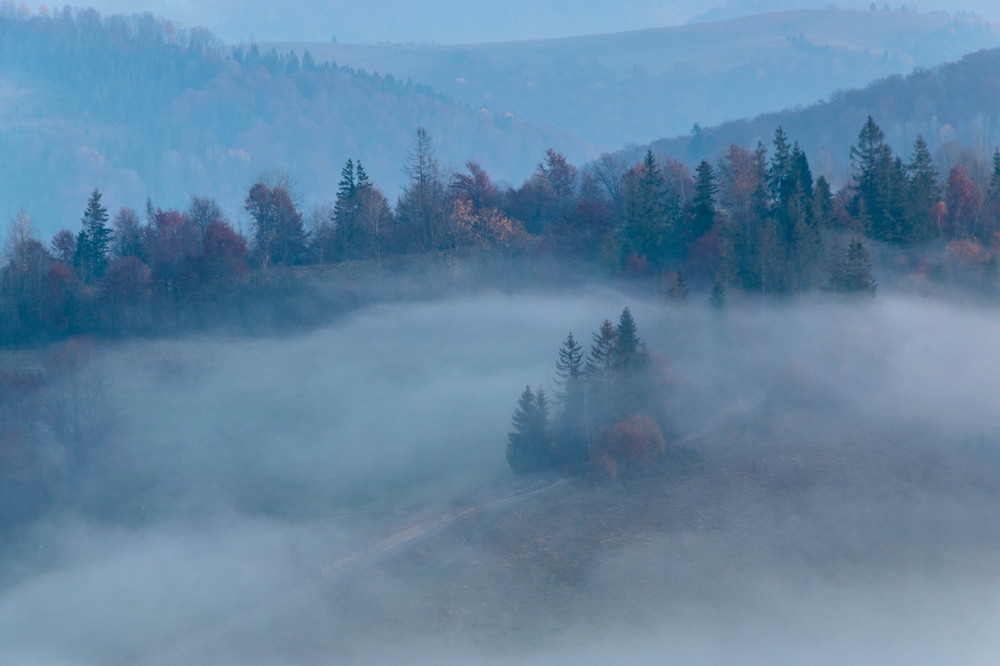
341 495
454 22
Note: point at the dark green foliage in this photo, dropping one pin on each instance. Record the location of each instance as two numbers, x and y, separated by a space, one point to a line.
679 289
852 271
529 447
571 423
718 297
703 204
94 240
924 192
600 361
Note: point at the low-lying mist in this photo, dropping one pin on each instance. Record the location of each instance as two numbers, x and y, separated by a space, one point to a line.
829 497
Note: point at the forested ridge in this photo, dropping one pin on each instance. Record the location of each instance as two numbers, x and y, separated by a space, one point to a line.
143 107
753 224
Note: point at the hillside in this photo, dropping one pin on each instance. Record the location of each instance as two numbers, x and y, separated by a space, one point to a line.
953 106
612 89
138 108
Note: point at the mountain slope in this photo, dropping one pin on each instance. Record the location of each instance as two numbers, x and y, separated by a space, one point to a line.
953 106
617 88
137 108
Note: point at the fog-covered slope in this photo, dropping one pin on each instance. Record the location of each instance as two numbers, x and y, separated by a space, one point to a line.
137 108
611 89
953 106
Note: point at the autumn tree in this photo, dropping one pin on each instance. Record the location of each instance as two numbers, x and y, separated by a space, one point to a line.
23 278
421 206
279 235
128 234
474 186
630 446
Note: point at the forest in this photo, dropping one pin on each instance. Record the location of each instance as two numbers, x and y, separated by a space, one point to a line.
754 224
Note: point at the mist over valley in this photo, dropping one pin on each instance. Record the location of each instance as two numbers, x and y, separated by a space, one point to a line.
302 363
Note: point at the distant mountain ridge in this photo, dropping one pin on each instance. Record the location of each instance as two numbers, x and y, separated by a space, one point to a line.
614 89
953 106
139 108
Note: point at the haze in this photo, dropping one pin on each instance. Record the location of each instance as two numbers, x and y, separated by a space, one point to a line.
457 22
842 509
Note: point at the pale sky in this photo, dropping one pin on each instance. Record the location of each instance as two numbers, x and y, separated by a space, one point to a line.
463 21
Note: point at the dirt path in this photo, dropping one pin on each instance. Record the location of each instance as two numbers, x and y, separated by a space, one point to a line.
355 563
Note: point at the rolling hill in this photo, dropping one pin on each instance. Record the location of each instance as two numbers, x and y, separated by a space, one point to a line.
613 89
138 108
953 106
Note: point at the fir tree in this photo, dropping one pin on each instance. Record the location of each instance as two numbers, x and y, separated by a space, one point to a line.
529 447
852 270
93 241
703 204
679 288
924 192
718 298
572 445
600 361
629 351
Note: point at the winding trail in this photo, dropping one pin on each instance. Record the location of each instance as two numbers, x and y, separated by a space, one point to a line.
354 563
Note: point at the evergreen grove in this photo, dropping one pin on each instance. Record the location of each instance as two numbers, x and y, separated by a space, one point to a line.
607 411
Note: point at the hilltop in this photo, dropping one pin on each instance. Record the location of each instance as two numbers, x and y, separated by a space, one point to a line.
612 89
953 106
140 108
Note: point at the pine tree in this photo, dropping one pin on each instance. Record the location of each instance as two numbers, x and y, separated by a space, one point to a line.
629 350
600 361
94 240
529 447
924 192
679 288
345 210
572 444
852 271
718 298
703 204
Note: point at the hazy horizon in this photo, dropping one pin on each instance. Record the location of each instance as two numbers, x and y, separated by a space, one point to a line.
456 22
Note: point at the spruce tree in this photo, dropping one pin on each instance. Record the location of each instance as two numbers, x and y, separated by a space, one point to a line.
571 439
924 192
679 288
529 447
852 270
703 204
94 240
600 361
718 298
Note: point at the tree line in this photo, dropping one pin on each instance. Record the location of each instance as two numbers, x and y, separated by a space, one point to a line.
755 224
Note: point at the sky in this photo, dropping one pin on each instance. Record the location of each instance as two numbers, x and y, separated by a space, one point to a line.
460 21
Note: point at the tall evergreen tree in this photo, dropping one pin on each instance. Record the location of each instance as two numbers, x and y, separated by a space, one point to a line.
94 240
679 289
601 359
345 211
703 204
529 446
924 192
571 425
852 270
646 215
